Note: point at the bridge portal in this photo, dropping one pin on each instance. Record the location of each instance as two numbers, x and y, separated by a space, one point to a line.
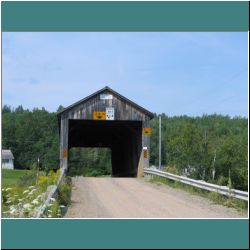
107 119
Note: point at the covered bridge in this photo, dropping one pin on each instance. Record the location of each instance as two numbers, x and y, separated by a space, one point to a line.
107 119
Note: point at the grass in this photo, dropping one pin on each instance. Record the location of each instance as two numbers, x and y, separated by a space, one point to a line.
217 198
62 200
24 192
64 194
10 177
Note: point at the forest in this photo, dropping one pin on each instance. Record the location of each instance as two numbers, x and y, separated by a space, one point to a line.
212 148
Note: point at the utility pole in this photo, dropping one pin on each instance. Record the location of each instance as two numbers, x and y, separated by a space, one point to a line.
38 162
159 142
213 170
229 179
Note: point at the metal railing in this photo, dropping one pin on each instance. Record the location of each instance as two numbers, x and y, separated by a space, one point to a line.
199 184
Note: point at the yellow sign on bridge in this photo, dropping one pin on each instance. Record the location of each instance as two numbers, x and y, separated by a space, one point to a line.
147 131
99 115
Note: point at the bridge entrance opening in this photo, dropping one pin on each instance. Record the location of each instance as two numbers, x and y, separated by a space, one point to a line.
124 138
106 119
90 162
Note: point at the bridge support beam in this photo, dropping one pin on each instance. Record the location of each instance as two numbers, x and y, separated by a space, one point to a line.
64 143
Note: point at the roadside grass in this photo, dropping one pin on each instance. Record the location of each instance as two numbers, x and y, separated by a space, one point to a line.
24 192
10 177
64 195
62 200
240 205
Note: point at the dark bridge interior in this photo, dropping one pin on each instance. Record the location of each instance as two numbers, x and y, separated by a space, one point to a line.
123 137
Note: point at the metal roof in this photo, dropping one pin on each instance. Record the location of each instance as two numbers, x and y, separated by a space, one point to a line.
7 154
148 113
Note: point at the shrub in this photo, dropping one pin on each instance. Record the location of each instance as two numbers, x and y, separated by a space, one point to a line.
53 210
17 202
50 179
64 192
29 179
223 181
171 169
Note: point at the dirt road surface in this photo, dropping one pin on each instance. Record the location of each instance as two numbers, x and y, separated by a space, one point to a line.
137 198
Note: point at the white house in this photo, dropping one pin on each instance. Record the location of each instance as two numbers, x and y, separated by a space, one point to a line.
7 159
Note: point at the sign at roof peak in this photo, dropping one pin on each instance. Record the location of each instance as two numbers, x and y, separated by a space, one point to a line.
106 96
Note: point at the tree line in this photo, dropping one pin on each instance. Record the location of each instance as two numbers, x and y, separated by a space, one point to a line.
33 137
213 148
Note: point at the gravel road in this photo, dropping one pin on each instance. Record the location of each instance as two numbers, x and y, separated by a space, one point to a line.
137 198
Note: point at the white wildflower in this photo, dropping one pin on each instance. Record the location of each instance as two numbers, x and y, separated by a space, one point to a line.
20 199
27 206
8 201
32 191
3 189
35 202
12 211
62 206
26 191
7 189
49 216
52 199
49 211
31 187
50 205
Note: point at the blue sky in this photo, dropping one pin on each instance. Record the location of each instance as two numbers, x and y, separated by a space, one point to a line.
177 73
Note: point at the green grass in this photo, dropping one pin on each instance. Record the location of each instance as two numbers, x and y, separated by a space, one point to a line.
217 198
10 177
28 187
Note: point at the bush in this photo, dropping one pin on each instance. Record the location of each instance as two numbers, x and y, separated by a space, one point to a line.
53 210
50 179
172 169
64 192
223 181
29 179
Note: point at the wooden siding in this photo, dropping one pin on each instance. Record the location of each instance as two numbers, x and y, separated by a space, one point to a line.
123 111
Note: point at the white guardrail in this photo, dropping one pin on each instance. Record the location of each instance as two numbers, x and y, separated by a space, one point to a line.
51 194
200 184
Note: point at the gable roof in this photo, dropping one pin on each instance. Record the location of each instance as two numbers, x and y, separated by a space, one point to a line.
7 154
122 98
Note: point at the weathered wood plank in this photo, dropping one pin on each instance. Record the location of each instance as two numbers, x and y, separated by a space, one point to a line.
123 111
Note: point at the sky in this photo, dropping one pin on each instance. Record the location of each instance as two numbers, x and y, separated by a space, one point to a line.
176 73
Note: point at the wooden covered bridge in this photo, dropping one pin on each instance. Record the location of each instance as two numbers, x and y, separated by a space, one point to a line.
108 119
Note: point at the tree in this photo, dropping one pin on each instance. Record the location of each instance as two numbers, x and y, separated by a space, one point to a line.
60 108
188 143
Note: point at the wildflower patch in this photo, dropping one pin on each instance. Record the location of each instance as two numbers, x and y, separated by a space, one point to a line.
25 202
